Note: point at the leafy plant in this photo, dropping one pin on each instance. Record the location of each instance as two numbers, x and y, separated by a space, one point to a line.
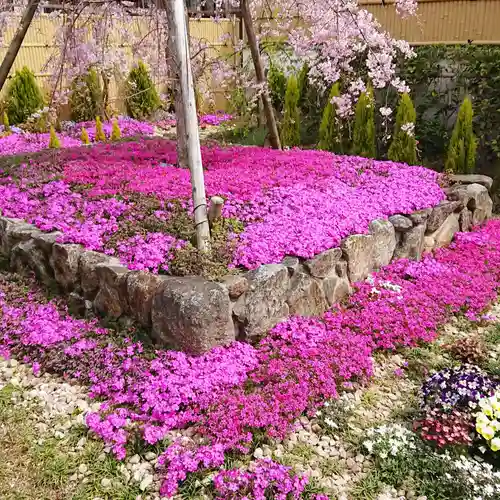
24 96
462 149
54 142
142 99
86 100
116 133
364 126
277 82
329 131
290 128
404 145
468 350
99 132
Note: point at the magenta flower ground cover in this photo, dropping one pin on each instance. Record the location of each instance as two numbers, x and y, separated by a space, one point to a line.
232 394
118 198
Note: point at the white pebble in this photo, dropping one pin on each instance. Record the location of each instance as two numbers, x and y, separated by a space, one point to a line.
105 482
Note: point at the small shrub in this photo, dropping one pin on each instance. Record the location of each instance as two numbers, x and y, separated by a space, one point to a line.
116 133
468 350
5 122
404 145
290 129
276 80
100 136
84 137
329 131
23 96
364 126
54 142
462 149
142 99
303 83
86 100
446 428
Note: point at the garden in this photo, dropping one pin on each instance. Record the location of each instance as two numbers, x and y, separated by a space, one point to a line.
338 337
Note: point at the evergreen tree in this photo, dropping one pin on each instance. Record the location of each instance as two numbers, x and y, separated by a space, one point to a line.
303 83
364 126
5 122
100 136
141 97
84 137
54 142
404 145
276 80
116 133
86 100
290 130
330 137
23 96
462 149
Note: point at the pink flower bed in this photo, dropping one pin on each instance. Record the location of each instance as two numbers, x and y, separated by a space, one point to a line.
231 394
24 142
290 202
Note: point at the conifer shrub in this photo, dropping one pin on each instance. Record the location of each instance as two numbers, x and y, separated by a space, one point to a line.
116 133
86 99
330 137
277 82
364 126
100 136
290 129
142 99
5 122
54 142
84 136
462 149
24 96
404 145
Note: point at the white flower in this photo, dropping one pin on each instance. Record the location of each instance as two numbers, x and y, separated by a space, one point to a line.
369 446
385 112
409 128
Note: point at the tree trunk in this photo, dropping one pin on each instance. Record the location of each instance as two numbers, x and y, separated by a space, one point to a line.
179 47
274 138
17 41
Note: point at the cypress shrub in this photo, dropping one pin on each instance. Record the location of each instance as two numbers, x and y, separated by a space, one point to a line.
290 129
364 126
5 122
84 137
86 99
100 136
462 149
276 80
54 142
330 138
116 133
303 83
24 97
404 145
142 99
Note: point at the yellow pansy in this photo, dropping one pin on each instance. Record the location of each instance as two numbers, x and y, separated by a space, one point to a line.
487 432
495 444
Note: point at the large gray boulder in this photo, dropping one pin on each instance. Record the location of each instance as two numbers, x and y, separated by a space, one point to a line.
384 242
236 285
306 296
323 264
64 261
401 223
89 280
411 245
440 213
26 257
483 180
443 236
264 304
420 216
13 231
337 286
358 251
141 289
192 314
465 220
480 203
111 299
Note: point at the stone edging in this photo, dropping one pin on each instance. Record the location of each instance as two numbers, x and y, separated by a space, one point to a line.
193 314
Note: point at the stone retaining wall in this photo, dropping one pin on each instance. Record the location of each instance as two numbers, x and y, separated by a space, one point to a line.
193 314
